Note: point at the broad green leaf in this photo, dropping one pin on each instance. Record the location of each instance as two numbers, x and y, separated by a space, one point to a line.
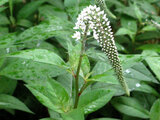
145 99
128 61
51 94
39 55
66 39
107 77
3 31
126 117
105 119
4 20
95 99
76 114
133 76
127 11
143 87
125 31
138 12
149 28
149 35
154 64
85 66
54 114
74 54
129 23
8 40
10 102
130 106
116 2
147 7
49 10
53 27
139 72
72 8
2 8
28 70
48 119
56 3
7 86
101 67
29 9
2 2
37 64
155 111
153 47
24 23
66 81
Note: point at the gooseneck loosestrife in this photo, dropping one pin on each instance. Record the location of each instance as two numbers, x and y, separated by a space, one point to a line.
93 19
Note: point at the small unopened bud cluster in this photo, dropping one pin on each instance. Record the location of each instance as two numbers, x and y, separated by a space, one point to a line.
95 20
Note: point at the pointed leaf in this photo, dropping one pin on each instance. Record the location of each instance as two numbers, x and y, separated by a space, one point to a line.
95 99
130 106
10 102
51 94
155 111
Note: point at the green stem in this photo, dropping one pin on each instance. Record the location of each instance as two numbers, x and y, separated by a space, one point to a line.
79 66
85 85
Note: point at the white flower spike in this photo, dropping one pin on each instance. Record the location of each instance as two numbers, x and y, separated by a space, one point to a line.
97 22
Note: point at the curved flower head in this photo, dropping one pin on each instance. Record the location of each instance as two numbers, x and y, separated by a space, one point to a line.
95 20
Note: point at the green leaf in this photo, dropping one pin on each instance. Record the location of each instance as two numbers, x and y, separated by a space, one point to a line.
138 12
76 114
105 119
37 64
95 99
2 2
28 70
53 27
72 8
128 61
39 55
48 10
154 64
51 94
149 28
139 72
56 3
133 76
66 81
10 102
152 47
74 53
2 8
129 23
155 111
7 40
7 86
149 35
24 23
107 77
146 88
130 106
4 20
48 119
125 31
85 65
29 9
54 114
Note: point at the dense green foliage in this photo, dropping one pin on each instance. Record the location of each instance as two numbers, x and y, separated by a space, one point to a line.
39 60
